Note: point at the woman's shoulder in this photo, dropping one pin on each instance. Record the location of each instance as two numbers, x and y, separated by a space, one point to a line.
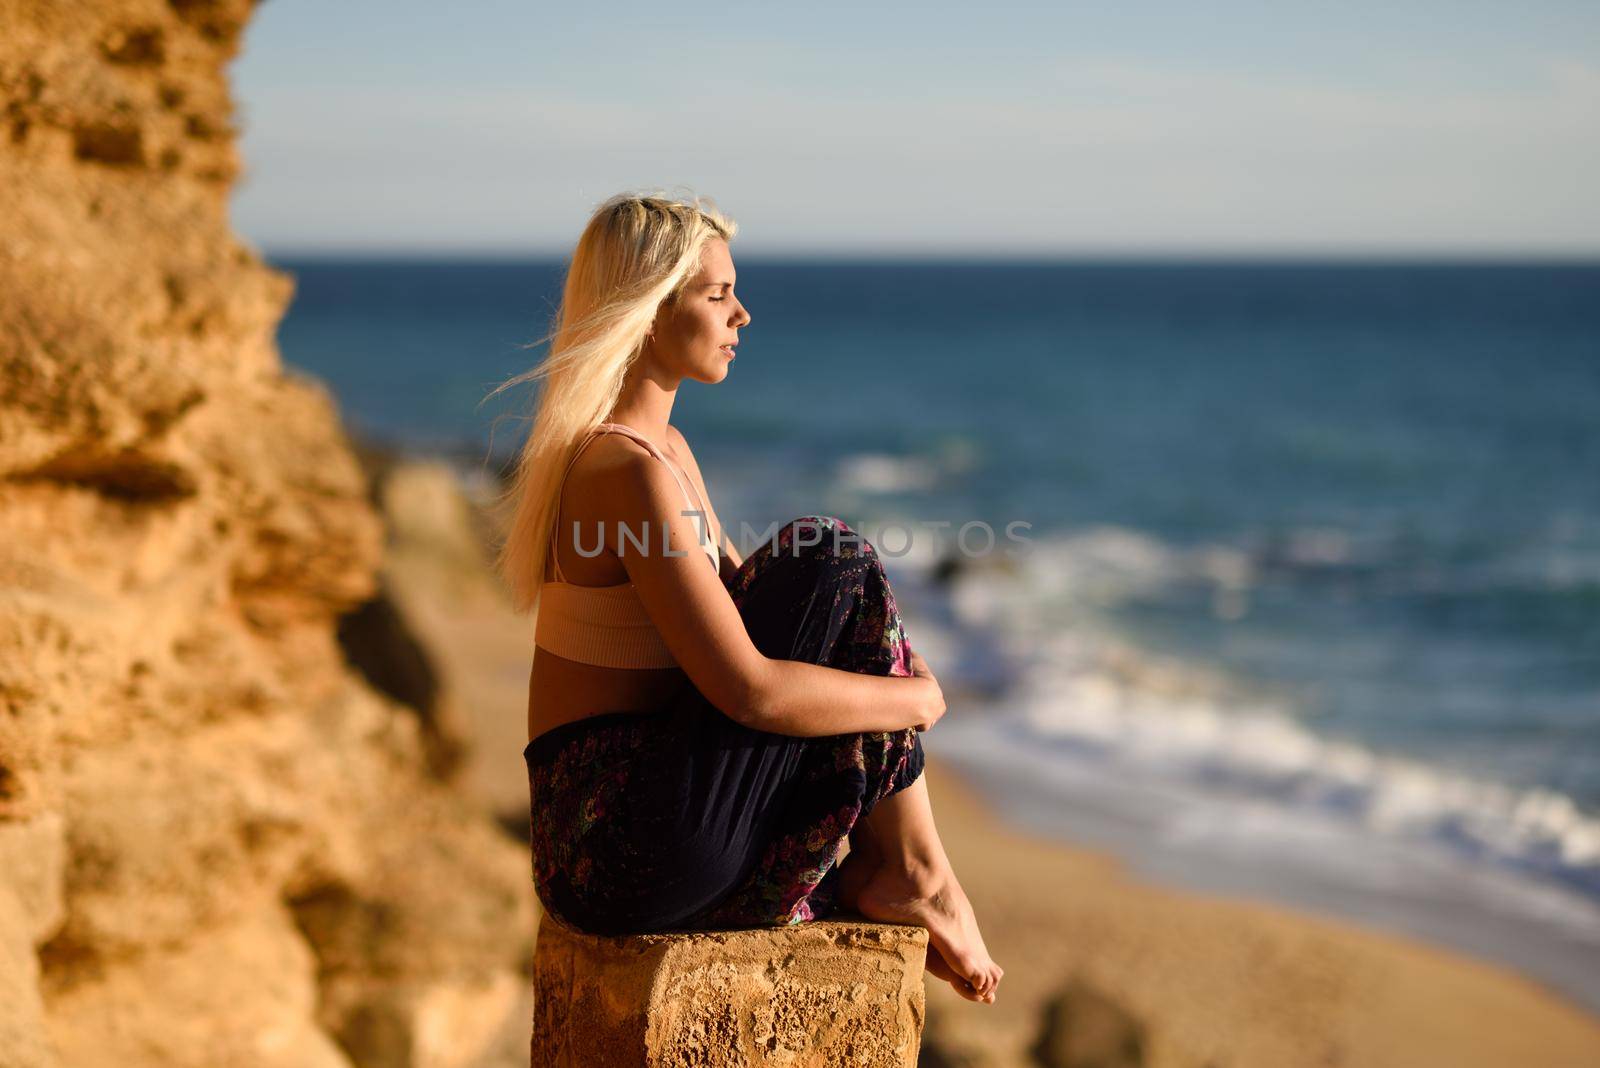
614 470
610 453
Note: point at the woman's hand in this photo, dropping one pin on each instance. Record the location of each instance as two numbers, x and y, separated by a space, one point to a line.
920 670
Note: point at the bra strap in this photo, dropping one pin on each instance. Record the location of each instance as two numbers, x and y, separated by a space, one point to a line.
684 484
626 431
555 556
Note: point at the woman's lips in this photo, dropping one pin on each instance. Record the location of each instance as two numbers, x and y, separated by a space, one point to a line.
729 350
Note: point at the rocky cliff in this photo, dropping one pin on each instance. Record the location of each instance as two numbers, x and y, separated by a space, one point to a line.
218 842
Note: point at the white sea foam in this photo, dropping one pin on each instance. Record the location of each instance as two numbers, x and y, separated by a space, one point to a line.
882 473
1084 692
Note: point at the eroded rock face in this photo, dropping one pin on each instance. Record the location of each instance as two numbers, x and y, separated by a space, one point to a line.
218 844
817 995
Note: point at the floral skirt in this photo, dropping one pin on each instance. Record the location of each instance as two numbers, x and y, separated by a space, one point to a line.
682 818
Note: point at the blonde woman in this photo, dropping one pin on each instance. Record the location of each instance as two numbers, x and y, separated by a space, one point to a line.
706 732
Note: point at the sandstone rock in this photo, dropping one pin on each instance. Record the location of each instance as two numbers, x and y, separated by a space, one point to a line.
435 533
438 583
22 1035
33 857
237 994
813 995
187 760
380 642
1085 1028
436 592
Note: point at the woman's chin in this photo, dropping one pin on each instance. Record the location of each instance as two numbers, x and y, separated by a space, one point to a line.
714 374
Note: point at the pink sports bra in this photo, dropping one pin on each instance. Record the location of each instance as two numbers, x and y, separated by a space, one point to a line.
607 625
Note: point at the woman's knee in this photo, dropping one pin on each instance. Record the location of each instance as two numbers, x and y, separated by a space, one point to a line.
823 536
810 556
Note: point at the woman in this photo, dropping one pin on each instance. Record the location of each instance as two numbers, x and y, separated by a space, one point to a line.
704 740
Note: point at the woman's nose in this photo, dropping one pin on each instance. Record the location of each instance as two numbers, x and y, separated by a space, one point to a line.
742 317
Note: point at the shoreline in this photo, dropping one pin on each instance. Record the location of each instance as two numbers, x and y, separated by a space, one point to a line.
1218 979
1237 849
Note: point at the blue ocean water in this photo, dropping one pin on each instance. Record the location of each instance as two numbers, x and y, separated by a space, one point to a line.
1318 536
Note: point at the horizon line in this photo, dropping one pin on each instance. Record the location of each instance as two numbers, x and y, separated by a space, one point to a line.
1377 256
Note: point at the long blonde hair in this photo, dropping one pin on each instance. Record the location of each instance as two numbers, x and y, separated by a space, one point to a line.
637 253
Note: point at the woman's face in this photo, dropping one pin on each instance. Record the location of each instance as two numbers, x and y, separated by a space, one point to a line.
693 337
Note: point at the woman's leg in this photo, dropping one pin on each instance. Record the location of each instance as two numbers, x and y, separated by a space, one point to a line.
803 597
902 875
810 602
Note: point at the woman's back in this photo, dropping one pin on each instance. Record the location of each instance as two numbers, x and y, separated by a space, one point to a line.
562 690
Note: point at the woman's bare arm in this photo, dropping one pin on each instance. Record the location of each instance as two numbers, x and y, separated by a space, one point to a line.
705 634
731 559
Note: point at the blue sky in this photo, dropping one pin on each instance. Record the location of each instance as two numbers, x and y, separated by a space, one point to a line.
1002 128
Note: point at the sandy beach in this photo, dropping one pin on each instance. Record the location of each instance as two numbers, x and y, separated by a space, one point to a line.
1219 981
1205 980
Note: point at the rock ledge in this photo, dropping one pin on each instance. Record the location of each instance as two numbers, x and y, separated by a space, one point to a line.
813 995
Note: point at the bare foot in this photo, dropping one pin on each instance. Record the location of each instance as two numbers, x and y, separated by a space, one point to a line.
935 901
937 967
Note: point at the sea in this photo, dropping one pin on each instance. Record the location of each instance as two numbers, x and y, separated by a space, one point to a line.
1280 580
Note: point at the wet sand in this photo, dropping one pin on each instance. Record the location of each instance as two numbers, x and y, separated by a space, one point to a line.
1222 982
